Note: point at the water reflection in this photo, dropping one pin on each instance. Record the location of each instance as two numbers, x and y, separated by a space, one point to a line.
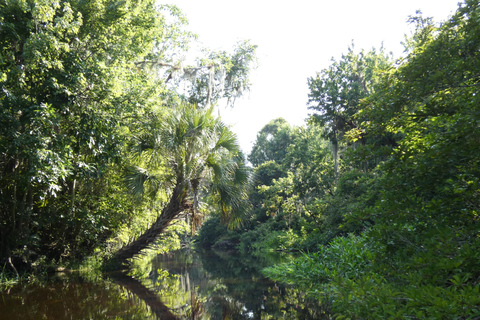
180 285
72 297
151 299
216 285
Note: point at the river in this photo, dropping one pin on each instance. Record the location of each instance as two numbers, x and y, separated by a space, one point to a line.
183 284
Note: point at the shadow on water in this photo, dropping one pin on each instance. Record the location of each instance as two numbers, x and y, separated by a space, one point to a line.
151 299
178 285
222 285
72 296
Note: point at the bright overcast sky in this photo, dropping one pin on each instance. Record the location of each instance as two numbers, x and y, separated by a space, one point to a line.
296 39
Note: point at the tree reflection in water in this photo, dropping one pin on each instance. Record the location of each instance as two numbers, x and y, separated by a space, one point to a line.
181 285
216 285
72 296
150 298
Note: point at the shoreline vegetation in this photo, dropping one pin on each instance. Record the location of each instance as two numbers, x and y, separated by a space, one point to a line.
107 140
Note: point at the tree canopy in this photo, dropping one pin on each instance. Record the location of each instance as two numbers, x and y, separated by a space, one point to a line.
336 92
67 83
107 138
79 81
391 224
415 214
272 142
198 154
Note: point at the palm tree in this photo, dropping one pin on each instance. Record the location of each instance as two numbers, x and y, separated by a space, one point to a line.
196 152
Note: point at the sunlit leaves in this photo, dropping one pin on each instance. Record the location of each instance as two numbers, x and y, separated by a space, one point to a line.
272 142
69 81
336 92
221 75
199 153
420 204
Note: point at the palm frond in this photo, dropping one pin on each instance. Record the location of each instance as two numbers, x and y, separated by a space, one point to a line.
140 181
230 183
134 178
242 174
226 140
199 148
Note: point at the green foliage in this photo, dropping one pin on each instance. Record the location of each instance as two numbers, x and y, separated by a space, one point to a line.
263 238
191 158
67 82
347 276
336 93
417 198
272 142
214 234
75 98
214 77
348 258
266 172
430 198
285 191
279 241
221 75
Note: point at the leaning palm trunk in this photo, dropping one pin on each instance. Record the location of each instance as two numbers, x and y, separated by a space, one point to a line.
197 147
176 205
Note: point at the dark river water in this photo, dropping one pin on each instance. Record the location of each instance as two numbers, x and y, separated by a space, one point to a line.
179 285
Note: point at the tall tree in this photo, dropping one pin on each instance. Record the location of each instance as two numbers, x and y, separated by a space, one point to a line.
336 92
272 142
227 75
213 77
200 155
67 75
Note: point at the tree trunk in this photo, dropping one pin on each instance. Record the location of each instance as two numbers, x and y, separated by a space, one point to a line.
175 206
335 155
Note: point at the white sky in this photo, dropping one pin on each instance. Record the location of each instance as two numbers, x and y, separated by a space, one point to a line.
295 40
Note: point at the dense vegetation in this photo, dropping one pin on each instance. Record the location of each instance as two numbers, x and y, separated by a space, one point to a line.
106 139
87 156
380 191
